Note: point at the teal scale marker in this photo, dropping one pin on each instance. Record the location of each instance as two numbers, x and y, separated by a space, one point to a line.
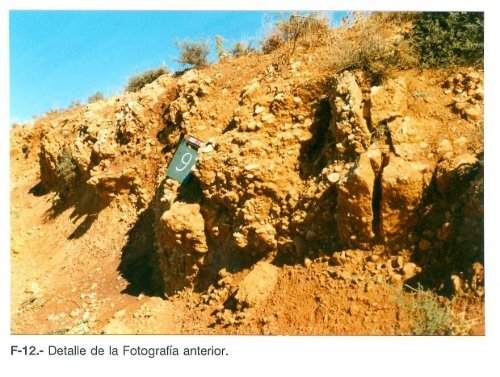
184 159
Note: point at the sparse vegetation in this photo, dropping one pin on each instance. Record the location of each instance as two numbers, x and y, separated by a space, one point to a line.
66 169
242 49
52 111
193 53
429 316
74 104
139 81
368 50
222 54
307 30
271 42
395 18
443 39
239 49
97 96
360 43
437 39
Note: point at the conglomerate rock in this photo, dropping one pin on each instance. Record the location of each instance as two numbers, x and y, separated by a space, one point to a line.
299 166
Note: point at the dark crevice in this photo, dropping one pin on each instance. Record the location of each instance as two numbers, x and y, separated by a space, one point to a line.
190 191
383 132
230 126
377 199
312 158
367 105
389 140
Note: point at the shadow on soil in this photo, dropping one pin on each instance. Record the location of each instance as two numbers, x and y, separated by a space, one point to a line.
138 258
85 204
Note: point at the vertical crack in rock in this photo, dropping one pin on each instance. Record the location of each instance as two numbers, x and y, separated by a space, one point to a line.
366 106
376 200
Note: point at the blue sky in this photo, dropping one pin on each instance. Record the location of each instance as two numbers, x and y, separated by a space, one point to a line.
60 56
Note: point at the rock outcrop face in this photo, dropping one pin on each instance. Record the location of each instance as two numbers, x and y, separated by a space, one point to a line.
451 246
109 184
372 190
349 126
297 166
468 90
354 212
90 147
404 185
182 243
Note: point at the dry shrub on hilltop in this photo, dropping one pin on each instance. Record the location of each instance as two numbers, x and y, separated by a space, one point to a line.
97 96
364 46
137 82
299 30
242 49
193 53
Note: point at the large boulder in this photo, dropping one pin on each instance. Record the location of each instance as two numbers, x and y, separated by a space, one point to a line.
404 184
257 285
110 183
354 212
182 244
82 154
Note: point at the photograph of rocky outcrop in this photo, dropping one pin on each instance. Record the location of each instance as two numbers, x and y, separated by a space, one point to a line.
332 184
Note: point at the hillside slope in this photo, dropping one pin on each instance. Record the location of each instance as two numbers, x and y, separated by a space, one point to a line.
319 203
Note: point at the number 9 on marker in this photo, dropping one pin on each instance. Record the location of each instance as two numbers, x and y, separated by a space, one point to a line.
184 159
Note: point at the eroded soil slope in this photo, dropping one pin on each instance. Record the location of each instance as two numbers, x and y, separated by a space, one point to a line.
319 203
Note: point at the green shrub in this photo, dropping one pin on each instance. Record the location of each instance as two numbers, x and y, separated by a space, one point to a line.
66 169
445 39
139 81
428 316
97 96
193 53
